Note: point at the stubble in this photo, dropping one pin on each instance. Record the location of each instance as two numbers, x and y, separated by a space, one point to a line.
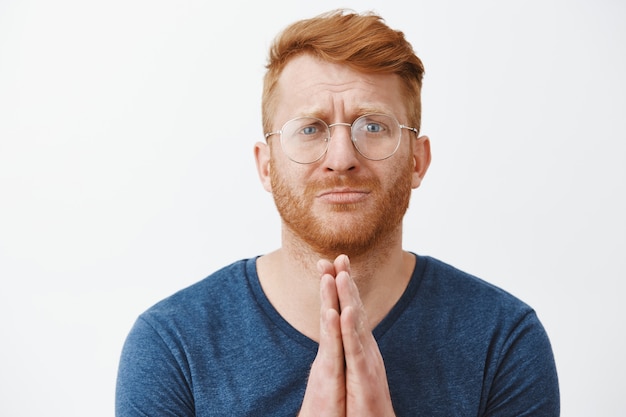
353 229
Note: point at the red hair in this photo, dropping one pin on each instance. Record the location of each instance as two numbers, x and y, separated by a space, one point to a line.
363 42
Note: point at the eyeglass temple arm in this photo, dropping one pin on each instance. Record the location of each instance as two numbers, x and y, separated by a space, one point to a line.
412 129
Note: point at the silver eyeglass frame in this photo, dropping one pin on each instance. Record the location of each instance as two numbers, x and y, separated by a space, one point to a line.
352 138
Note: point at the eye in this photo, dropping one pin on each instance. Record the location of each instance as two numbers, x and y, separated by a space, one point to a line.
309 130
374 127
306 130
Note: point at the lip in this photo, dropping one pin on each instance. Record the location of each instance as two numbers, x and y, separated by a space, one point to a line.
343 195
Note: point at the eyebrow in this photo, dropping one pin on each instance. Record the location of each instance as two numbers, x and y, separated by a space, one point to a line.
360 111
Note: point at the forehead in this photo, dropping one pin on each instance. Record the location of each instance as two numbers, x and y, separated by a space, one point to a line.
311 86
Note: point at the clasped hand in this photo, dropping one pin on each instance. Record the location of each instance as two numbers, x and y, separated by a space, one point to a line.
348 376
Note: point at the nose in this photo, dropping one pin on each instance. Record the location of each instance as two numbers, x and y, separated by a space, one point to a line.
341 154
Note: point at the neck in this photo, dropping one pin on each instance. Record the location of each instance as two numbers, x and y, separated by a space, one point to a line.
290 279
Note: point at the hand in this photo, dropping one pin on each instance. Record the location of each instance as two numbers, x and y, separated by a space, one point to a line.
348 377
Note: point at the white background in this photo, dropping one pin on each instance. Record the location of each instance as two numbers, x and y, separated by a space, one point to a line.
126 172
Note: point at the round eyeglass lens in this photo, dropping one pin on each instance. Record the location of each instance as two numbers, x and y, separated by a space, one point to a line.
305 139
376 136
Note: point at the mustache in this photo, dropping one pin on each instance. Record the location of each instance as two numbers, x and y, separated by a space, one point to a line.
342 181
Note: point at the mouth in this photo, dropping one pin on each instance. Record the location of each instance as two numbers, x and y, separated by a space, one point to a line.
343 196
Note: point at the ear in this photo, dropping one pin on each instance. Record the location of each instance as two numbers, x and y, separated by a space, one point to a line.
421 159
262 158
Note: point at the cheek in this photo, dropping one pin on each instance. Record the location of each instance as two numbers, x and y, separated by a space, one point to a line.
286 184
402 178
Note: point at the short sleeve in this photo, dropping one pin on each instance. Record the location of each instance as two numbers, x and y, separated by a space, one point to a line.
525 381
152 376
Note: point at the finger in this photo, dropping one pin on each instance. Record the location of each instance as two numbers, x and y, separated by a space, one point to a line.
325 391
357 337
325 267
325 394
366 378
330 352
342 263
367 389
353 340
329 300
348 293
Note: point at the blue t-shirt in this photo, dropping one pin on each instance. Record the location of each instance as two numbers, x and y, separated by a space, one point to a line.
453 345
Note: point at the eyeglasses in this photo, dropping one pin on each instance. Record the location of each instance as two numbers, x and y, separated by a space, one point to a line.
375 136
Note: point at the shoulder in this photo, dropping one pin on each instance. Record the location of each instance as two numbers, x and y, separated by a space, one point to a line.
228 277
444 283
169 342
468 326
448 298
181 322
213 296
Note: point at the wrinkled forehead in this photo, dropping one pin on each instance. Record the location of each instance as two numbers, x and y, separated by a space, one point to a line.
309 86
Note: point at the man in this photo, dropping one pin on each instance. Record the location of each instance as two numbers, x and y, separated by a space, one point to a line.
340 320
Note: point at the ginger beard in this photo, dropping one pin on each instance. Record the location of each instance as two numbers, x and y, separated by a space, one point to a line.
351 229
